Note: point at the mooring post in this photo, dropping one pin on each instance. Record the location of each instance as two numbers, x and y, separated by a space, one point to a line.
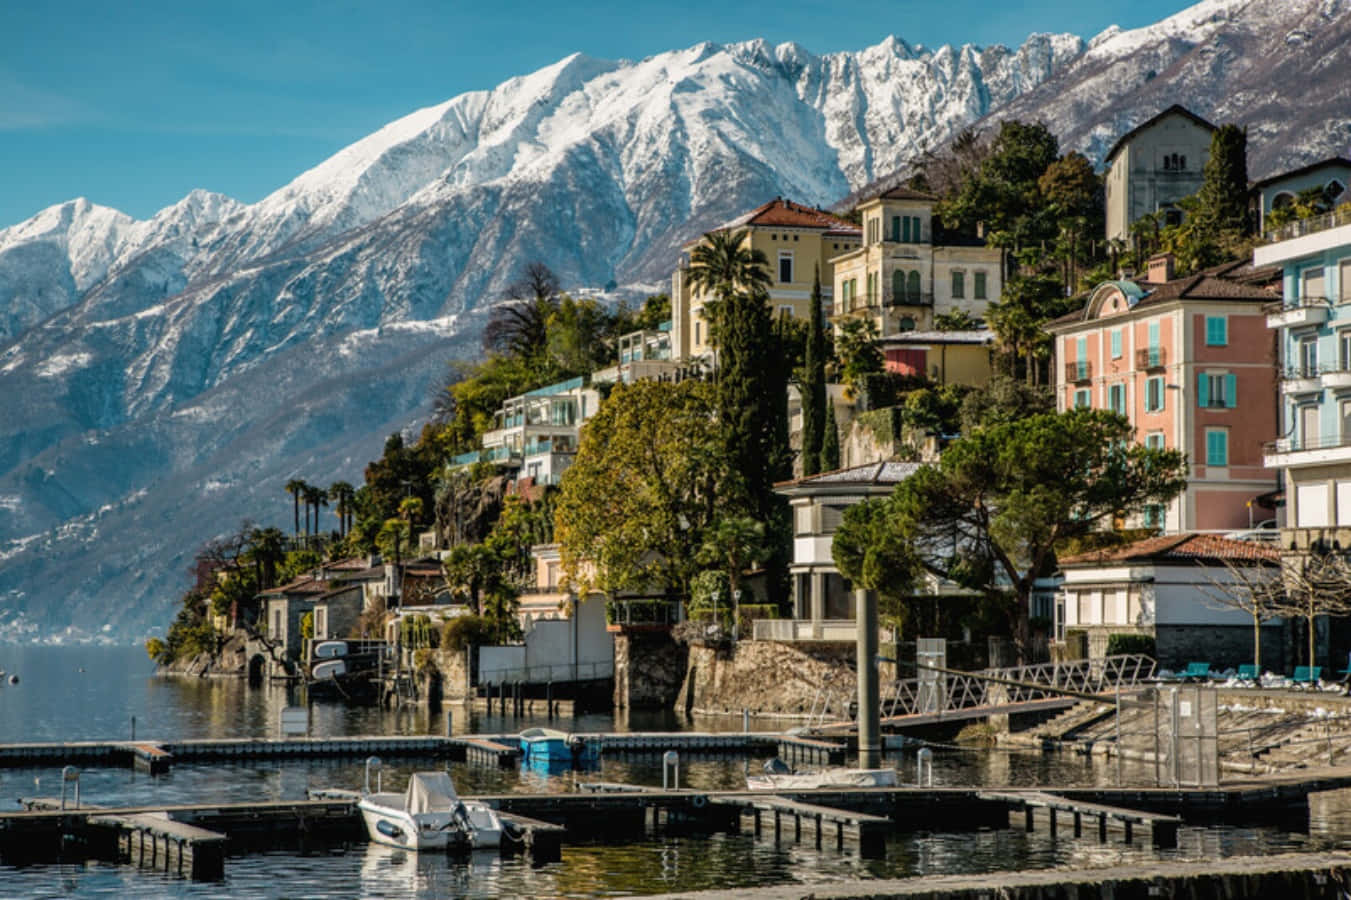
869 713
133 728
745 720
450 719
549 698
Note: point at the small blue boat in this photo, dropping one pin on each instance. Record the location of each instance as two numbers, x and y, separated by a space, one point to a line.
548 745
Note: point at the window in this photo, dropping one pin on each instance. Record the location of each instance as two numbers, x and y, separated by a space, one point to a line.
978 289
785 311
1154 394
1344 281
1116 343
1344 350
907 324
802 520
912 294
1153 517
1310 430
1346 420
1083 398
698 338
958 285
1116 398
1313 284
1217 331
1217 446
785 266
1308 357
1155 441
898 285
1216 391
1081 358
896 228
1153 338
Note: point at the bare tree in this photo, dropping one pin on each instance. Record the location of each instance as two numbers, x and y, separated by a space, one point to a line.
1317 584
1254 587
519 324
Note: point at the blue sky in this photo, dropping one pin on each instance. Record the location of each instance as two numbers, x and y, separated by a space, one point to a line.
133 105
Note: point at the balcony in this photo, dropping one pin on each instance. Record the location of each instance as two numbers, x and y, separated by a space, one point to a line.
1151 358
1313 451
641 615
1301 379
1298 312
1313 225
1080 370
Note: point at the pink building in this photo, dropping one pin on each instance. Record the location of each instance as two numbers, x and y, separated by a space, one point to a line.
1190 362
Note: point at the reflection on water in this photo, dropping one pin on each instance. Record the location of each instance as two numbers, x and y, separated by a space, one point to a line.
56 701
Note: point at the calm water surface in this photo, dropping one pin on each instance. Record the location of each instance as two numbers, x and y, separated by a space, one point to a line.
93 693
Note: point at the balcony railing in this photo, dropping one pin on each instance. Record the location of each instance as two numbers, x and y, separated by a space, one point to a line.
888 299
1301 227
1151 358
1080 370
1298 444
1289 303
641 615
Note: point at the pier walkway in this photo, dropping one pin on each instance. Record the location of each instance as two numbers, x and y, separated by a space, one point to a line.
503 750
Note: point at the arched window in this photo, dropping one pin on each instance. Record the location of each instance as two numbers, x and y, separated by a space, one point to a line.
1334 190
1282 200
912 287
897 286
907 324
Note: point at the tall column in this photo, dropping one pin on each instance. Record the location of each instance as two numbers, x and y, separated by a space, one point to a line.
869 712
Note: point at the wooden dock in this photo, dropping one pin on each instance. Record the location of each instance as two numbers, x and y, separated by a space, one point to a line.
825 825
1162 829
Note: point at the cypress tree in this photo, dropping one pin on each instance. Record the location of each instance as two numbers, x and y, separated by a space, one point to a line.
1223 198
830 442
814 385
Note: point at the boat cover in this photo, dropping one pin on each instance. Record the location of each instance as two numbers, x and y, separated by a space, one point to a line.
430 792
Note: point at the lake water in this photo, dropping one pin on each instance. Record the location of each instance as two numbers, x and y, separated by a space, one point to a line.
79 693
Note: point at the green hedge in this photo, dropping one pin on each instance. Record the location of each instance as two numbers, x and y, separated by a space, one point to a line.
1123 643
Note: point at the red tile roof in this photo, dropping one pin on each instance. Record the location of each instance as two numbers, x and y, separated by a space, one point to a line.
787 214
1186 547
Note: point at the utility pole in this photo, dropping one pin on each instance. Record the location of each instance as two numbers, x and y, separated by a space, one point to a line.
869 702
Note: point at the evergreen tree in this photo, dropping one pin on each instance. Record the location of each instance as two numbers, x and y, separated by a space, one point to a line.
1223 198
830 441
814 385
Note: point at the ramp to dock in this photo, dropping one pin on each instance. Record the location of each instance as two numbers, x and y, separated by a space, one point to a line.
1162 829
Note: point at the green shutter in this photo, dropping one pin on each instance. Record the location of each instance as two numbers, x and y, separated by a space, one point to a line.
1230 391
906 233
895 228
1217 331
1116 343
1153 335
1202 389
1217 448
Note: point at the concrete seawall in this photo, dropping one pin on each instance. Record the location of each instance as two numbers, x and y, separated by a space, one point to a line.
1294 876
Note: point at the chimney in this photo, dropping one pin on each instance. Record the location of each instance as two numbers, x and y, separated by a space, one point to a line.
1160 268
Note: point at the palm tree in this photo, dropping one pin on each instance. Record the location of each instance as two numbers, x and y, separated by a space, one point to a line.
268 546
341 493
313 497
519 326
725 265
734 544
295 487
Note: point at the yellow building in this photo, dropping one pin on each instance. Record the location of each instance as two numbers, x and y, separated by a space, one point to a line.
794 238
901 279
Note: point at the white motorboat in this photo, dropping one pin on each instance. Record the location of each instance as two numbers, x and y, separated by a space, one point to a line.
778 777
429 815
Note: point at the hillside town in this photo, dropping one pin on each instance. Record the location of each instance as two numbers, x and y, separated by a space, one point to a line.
1042 412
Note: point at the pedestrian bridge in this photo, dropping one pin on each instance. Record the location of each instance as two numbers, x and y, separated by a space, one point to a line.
944 695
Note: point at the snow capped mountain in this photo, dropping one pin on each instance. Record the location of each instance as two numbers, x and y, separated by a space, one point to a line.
161 379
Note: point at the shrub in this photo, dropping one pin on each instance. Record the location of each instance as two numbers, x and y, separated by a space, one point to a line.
158 651
464 631
1124 643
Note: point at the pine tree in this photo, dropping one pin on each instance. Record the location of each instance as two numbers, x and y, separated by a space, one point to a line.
830 442
1223 198
814 385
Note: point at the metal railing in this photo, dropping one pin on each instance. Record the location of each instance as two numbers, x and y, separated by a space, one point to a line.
1317 442
555 672
1079 370
1311 225
1151 358
804 630
642 613
1288 304
974 689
